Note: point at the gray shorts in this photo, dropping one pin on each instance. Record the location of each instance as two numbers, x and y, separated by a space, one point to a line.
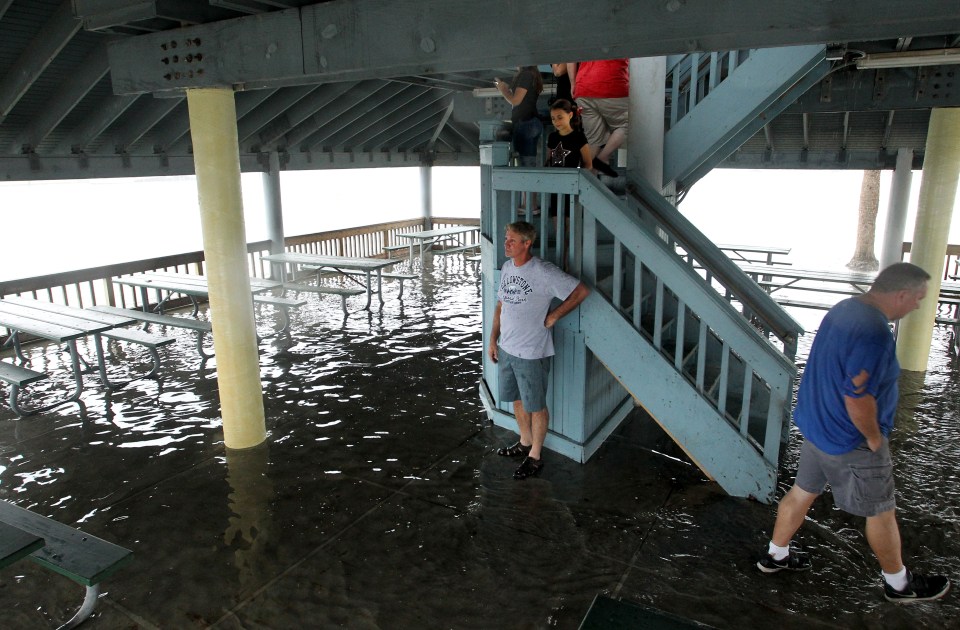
524 380
600 116
861 480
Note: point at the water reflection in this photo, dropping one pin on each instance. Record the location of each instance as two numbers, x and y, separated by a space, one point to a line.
250 527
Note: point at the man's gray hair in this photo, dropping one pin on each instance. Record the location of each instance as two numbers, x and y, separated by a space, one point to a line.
899 277
526 230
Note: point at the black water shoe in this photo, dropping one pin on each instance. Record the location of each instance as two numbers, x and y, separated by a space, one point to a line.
795 561
529 468
514 450
920 588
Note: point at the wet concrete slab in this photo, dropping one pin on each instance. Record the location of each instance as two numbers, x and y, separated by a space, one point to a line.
379 501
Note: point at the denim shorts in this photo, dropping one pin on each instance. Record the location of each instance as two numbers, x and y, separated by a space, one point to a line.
526 138
861 480
524 380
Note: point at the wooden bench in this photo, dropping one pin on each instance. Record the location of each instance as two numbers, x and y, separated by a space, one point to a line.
201 327
389 249
151 342
386 276
459 248
343 292
17 377
83 558
284 305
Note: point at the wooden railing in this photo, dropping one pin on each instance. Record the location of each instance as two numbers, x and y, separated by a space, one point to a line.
88 287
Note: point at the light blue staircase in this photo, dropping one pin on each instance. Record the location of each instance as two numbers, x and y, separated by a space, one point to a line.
672 324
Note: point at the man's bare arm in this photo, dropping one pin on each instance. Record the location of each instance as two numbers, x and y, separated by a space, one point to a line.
495 333
573 300
863 412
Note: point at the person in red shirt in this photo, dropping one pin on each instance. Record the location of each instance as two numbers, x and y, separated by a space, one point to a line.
602 90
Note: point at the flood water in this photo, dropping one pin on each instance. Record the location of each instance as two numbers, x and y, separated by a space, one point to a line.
379 500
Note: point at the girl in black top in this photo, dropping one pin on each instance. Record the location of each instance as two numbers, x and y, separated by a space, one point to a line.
567 146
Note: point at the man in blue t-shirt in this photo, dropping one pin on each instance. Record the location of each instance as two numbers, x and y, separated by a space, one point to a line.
521 339
845 408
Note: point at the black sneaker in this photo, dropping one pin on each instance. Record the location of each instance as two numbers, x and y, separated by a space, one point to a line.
920 588
530 467
795 561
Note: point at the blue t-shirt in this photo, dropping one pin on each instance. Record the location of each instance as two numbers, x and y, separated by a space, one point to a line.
854 337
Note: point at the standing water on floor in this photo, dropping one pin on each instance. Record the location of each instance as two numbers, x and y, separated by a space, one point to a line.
378 500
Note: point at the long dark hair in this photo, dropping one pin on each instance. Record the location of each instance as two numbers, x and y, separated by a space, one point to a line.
570 108
537 79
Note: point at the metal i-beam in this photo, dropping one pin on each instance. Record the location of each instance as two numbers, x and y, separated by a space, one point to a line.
262 116
396 121
137 124
107 111
38 54
87 75
364 39
345 109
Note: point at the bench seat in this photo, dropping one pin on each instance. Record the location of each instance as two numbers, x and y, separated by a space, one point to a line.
343 292
459 248
17 376
151 342
393 275
83 558
199 326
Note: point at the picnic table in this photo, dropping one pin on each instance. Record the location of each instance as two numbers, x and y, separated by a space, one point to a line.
741 253
345 265
63 324
427 238
773 279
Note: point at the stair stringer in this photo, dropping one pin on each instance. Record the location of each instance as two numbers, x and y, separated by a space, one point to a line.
714 445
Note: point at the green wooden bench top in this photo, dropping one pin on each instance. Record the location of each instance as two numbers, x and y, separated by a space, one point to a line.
134 335
70 552
278 301
16 543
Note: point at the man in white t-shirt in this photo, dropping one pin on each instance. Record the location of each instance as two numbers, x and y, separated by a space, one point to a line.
521 342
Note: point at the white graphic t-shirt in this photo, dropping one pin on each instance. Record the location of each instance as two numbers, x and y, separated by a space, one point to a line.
525 293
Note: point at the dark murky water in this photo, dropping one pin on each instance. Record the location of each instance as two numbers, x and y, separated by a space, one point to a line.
379 502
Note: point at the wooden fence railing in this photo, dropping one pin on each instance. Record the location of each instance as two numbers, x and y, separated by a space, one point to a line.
951 262
88 287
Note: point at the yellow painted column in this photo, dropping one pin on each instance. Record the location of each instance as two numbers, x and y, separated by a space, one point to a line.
938 191
216 155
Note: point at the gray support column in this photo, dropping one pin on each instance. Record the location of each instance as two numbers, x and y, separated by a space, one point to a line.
273 203
897 209
426 195
645 134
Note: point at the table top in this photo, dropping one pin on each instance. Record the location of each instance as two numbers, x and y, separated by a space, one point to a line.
810 274
758 249
256 284
35 323
334 262
425 234
16 543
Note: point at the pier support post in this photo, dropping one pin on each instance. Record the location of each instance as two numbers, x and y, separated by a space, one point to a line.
213 129
645 133
273 202
895 225
426 195
938 191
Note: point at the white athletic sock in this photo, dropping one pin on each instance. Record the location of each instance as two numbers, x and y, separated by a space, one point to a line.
898 580
777 552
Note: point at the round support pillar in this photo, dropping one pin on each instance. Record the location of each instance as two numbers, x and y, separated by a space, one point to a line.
213 129
426 195
896 222
273 203
938 191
